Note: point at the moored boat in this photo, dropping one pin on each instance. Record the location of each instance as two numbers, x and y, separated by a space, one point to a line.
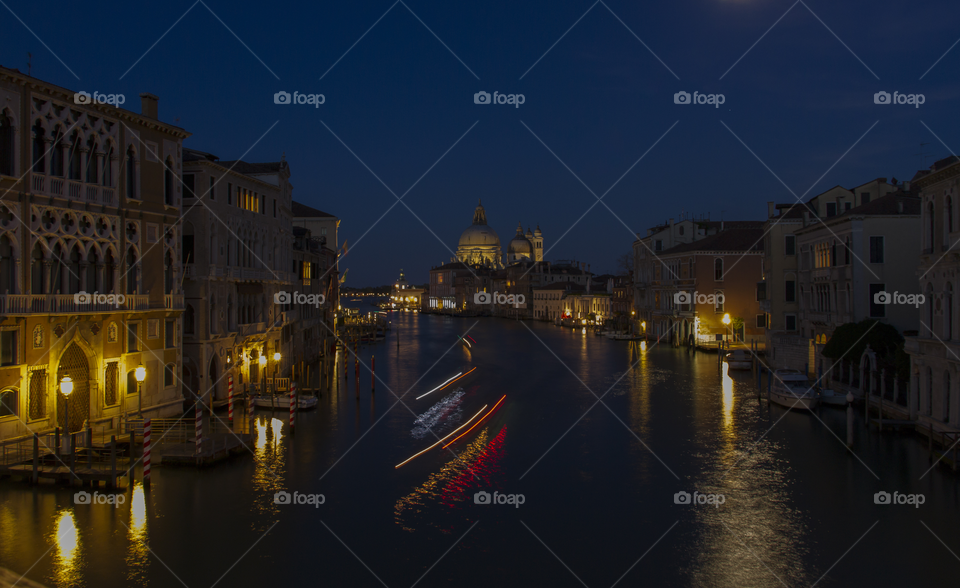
738 359
792 389
282 401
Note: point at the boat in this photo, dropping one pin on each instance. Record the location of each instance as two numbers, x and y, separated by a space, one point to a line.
834 398
792 389
738 359
282 401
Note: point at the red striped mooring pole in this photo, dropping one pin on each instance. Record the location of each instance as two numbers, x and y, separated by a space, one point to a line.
146 452
230 398
293 404
198 432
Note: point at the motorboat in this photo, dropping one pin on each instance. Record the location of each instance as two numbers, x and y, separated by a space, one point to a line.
792 388
739 359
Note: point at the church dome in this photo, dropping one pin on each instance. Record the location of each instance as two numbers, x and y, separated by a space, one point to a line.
520 246
479 234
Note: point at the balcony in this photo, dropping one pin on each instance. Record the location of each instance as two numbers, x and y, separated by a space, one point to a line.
173 301
251 329
73 190
20 304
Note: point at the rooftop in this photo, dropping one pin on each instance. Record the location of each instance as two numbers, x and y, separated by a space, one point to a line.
301 210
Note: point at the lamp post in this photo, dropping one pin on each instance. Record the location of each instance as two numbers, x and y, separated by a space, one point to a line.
726 321
140 374
263 374
66 388
276 368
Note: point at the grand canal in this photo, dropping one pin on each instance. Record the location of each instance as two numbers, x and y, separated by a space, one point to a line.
598 483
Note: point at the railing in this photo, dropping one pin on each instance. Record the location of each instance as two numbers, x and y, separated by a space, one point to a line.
173 301
137 302
69 303
20 450
75 190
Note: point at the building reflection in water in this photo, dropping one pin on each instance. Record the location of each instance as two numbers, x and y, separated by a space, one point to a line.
477 467
270 463
66 539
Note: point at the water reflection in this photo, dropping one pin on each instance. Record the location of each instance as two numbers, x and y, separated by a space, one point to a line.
66 539
477 466
727 385
270 463
138 551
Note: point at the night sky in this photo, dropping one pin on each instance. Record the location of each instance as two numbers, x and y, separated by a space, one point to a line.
596 103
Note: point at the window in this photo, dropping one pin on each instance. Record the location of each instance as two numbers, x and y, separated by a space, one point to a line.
111 374
274 208
7 145
718 302
132 382
864 198
229 193
790 245
876 249
877 303
38 394
189 185
8 403
831 209
168 178
658 245
132 337
790 322
213 186
790 291
718 269
847 206
168 377
168 331
846 251
681 229
761 291
761 321
131 174
189 318
8 347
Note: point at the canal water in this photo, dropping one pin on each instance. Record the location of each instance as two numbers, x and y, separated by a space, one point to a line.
779 499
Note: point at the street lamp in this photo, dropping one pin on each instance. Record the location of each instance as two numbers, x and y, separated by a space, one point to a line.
140 374
66 388
276 369
263 373
726 321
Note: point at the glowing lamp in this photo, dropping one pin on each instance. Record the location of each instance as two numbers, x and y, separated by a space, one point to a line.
66 386
263 360
276 356
140 373
726 319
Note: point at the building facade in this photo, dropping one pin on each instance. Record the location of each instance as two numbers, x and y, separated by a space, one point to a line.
89 259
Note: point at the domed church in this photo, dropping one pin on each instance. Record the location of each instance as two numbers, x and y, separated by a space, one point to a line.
480 245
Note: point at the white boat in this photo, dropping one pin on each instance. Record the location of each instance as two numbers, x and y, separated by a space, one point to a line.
792 389
282 401
738 359
834 398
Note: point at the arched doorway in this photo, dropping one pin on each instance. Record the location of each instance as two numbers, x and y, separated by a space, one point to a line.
73 363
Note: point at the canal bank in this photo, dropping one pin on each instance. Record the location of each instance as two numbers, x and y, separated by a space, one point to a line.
795 499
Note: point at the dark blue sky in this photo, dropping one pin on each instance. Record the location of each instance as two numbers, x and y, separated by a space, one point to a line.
599 99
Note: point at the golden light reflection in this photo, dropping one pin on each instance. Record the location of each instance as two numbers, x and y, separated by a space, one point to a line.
67 542
138 551
270 463
728 398
643 346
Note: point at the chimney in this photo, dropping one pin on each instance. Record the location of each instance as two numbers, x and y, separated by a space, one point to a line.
148 105
770 209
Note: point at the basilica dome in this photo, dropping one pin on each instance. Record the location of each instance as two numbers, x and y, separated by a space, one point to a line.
479 244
